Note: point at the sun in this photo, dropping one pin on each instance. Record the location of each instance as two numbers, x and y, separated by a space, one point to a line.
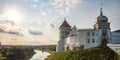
13 15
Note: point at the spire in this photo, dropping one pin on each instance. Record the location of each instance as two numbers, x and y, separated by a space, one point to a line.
101 17
101 11
101 8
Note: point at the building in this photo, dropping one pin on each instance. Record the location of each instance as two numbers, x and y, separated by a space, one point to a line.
115 37
100 35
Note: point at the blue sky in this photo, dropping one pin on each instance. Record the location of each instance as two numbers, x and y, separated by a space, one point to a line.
36 22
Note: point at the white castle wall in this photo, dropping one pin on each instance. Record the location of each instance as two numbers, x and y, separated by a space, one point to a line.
90 38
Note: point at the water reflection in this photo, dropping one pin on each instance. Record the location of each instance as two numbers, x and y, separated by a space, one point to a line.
39 55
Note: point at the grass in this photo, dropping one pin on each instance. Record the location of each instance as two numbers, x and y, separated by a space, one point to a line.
97 53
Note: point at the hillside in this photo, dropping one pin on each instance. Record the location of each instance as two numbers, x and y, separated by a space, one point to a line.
97 53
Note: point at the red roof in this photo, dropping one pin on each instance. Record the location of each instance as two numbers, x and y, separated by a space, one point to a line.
65 24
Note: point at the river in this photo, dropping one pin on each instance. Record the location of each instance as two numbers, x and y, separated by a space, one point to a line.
39 55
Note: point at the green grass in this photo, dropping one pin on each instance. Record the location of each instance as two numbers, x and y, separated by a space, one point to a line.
98 53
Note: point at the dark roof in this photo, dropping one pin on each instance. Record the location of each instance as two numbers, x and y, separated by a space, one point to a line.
117 31
65 24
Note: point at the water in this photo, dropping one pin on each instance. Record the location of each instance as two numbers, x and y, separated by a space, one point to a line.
39 55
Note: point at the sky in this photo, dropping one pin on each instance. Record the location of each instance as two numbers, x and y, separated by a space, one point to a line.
36 22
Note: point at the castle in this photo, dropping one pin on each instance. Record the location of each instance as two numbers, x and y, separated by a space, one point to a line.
100 35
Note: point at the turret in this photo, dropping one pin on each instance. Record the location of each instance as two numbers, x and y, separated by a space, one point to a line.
102 27
74 31
64 29
102 22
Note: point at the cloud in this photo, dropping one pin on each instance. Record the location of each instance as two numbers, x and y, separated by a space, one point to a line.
10 27
35 0
7 26
35 32
1 30
63 6
46 23
43 13
49 24
34 5
63 3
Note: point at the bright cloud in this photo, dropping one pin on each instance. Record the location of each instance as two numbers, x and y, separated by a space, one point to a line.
13 15
10 27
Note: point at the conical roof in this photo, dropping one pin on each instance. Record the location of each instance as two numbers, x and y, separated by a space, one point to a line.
65 24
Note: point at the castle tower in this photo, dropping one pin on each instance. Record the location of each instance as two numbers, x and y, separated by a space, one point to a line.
64 30
102 26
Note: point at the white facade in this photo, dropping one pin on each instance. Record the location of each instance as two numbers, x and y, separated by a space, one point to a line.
71 43
100 35
89 37
60 45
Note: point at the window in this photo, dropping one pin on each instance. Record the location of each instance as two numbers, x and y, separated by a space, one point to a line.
93 40
88 40
93 33
88 33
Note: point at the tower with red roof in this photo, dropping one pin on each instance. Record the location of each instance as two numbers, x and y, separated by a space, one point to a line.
64 30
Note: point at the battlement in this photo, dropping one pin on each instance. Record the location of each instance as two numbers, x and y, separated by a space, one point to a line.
86 29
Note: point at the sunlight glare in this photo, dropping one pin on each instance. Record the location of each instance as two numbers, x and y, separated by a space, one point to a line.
13 15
